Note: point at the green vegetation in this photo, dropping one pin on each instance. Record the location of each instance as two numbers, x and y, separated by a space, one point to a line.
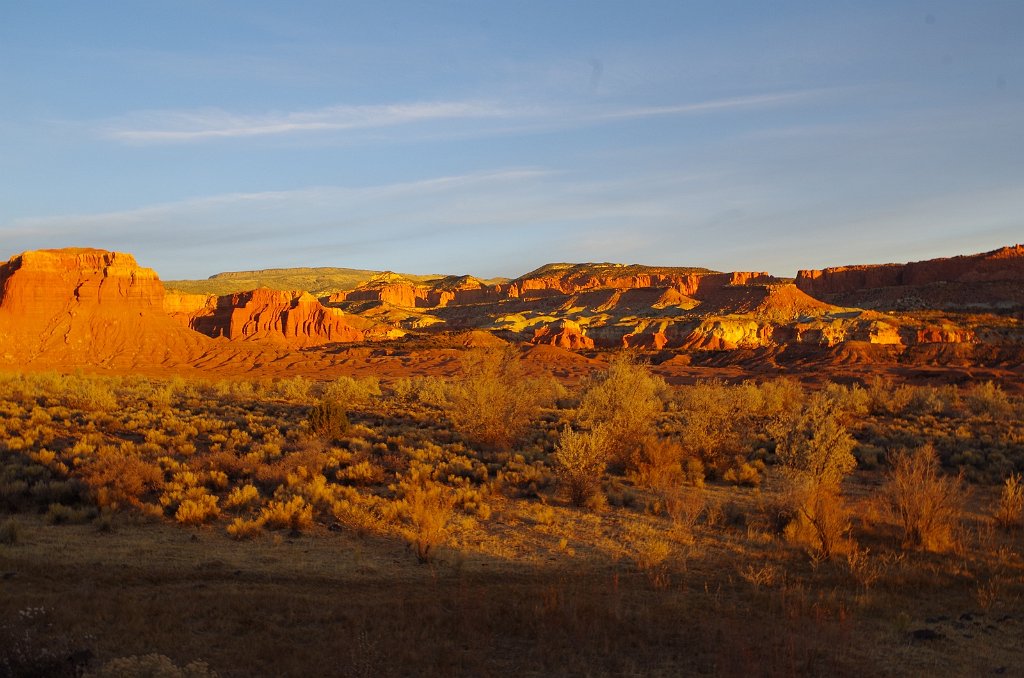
316 281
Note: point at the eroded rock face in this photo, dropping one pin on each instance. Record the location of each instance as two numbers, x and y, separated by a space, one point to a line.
584 277
564 334
296 319
1006 263
87 307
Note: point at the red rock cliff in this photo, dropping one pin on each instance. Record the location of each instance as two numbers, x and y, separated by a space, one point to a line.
296 319
87 307
1006 263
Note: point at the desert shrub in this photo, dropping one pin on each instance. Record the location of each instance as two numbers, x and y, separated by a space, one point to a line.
1009 513
777 399
296 388
852 400
431 391
361 473
821 522
649 550
988 400
658 463
197 507
816 452
328 419
816 447
352 391
711 420
625 401
10 532
684 507
118 476
427 506
92 394
693 472
293 514
494 402
243 528
404 389
927 400
150 666
926 503
743 472
580 460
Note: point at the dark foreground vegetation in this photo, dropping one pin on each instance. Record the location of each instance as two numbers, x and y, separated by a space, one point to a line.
500 523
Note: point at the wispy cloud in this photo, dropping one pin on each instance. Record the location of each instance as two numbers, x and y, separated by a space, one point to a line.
163 127
185 126
711 105
334 197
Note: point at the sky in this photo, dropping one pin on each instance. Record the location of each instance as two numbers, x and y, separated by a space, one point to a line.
493 137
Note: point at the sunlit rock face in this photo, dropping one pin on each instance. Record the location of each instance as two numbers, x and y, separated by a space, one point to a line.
294 319
87 307
564 334
1006 263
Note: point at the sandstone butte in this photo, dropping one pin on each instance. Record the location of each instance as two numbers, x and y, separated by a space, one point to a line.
81 307
1004 264
88 307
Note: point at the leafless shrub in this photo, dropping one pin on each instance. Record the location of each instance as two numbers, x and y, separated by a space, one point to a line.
816 451
580 461
926 503
1009 513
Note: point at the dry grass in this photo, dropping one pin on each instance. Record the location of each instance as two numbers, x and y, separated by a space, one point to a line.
300 539
1009 513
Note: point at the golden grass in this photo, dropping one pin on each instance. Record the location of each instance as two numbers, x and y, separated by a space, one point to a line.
300 541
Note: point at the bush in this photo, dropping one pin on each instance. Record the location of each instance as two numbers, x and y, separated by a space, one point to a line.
821 521
711 421
352 391
241 528
328 419
926 503
243 495
197 507
658 464
625 401
117 476
580 460
1009 513
742 472
59 514
816 451
494 402
427 505
294 514
815 447
649 550
988 400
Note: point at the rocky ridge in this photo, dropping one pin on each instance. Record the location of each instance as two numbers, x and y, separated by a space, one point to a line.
92 307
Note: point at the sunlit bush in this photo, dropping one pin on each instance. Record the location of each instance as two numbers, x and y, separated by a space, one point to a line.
580 461
625 400
926 503
494 401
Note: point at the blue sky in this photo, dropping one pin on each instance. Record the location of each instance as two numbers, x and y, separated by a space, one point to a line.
493 137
